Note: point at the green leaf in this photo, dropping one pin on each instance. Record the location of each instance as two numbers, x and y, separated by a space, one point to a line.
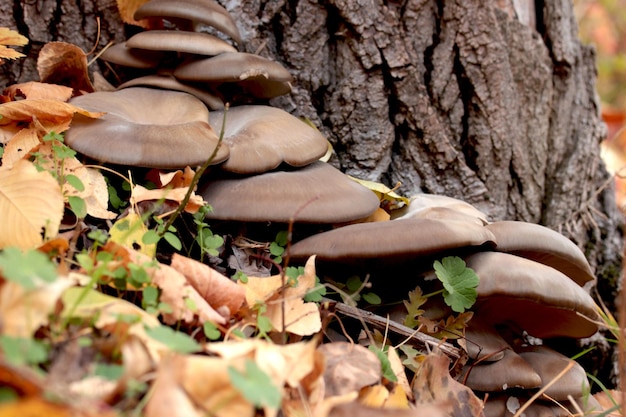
282 237
459 283
109 371
23 351
384 363
53 136
150 237
372 298
255 385
276 249
26 268
413 307
176 341
75 182
78 206
211 331
173 240
8 394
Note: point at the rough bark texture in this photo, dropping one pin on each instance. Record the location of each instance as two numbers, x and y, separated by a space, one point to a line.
465 98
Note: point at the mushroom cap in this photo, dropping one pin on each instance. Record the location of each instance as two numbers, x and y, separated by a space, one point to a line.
168 82
483 342
179 41
255 74
260 138
509 372
440 206
145 127
543 245
397 240
317 193
538 298
548 364
208 12
121 54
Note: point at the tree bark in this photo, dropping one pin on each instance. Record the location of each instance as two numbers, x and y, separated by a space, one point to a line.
483 101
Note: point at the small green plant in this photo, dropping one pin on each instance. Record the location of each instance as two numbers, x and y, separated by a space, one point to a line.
255 385
26 268
208 242
277 247
318 291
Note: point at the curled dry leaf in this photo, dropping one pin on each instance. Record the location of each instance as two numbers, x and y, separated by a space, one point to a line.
10 37
127 9
52 115
218 290
140 194
31 204
349 368
300 318
37 90
65 64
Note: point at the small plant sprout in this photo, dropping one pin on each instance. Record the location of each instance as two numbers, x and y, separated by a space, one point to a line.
277 247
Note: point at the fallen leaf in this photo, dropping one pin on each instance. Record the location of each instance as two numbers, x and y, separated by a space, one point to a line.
218 290
53 115
129 231
24 311
433 384
31 204
301 318
12 38
39 90
140 194
385 194
349 368
20 146
64 64
127 9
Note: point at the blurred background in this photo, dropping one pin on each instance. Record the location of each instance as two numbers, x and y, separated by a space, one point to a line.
603 24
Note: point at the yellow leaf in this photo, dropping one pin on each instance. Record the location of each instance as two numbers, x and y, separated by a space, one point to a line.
35 89
129 231
20 146
127 9
385 194
31 204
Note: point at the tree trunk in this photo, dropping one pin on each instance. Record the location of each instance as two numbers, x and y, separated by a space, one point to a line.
491 102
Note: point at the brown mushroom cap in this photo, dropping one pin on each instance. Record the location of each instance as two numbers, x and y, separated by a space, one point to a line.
317 193
509 372
179 41
135 58
168 82
397 240
548 364
145 127
256 75
483 342
544 245
538 298
208 12
260 138
440 206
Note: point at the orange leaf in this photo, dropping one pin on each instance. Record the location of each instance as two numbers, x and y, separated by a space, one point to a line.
20 146
65 64
219 291
11 37
127 9
53 115
34 89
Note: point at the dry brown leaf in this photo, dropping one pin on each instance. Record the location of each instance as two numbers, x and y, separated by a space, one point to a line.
20 146
31 204
176 179
53 115
12 38
434 385
175 290
37 90
218 290
23 310
349 368
399 370
300 318
65 64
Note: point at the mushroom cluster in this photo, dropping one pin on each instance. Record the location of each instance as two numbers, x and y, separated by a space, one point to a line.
530 292
268 170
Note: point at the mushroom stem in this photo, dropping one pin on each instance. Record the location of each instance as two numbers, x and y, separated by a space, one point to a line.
196 178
